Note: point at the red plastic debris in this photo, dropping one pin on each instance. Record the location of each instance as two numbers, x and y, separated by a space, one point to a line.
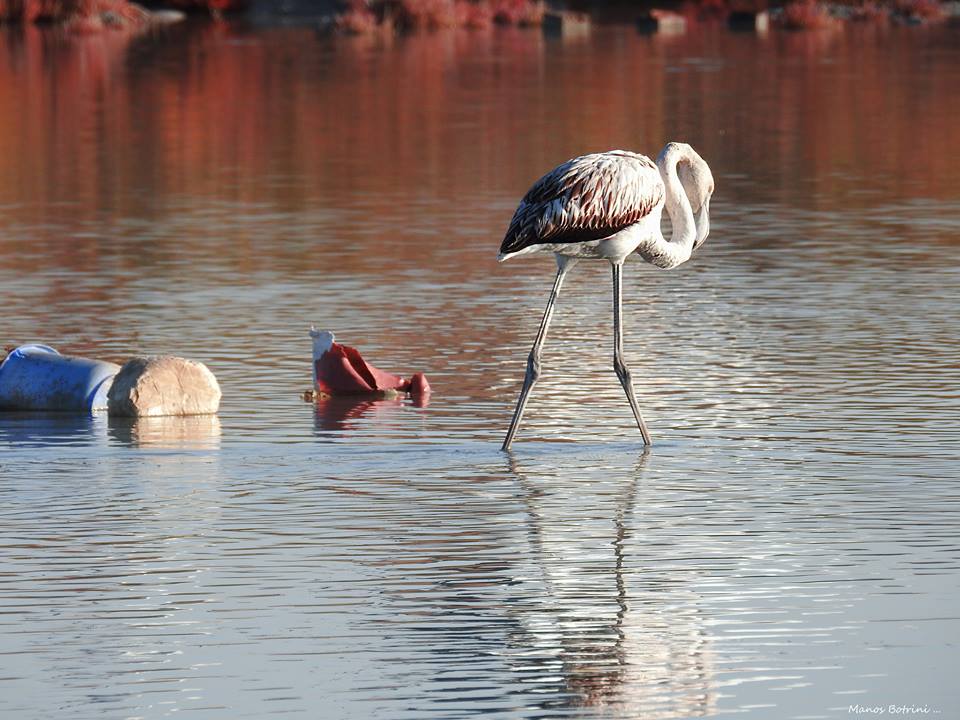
419 384
341 370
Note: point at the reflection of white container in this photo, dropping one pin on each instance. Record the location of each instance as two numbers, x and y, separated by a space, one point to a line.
37 377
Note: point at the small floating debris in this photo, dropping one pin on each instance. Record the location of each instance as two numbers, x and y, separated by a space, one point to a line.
341 370
37 377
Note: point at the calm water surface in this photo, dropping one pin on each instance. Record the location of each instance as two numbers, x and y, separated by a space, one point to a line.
789 547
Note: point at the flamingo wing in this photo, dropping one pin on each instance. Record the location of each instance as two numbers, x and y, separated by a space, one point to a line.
590 197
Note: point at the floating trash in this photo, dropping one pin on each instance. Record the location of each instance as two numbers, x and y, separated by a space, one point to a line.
37 377
341 370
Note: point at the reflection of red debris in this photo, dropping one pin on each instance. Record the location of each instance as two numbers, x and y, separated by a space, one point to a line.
341 370
347 411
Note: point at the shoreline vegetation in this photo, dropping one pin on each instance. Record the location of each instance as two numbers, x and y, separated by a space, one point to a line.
369 16
364 17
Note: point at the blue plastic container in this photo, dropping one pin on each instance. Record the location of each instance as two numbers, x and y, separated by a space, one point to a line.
37 377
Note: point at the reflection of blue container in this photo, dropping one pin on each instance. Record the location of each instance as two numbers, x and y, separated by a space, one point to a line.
37 377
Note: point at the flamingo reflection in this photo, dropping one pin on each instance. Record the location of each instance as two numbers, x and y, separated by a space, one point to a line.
601 634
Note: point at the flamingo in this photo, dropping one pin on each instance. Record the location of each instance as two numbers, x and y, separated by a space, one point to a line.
605 206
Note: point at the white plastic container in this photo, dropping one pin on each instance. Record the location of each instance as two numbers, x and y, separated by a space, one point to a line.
37 377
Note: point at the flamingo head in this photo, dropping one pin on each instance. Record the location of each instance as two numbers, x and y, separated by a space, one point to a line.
697 181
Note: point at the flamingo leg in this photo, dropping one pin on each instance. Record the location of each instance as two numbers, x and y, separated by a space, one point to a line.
533 362
623 372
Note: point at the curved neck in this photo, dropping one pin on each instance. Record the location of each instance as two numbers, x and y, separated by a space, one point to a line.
658 250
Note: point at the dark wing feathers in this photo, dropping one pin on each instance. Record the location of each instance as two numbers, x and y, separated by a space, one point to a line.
587 198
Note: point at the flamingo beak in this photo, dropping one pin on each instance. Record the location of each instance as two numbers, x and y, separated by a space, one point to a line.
702 223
